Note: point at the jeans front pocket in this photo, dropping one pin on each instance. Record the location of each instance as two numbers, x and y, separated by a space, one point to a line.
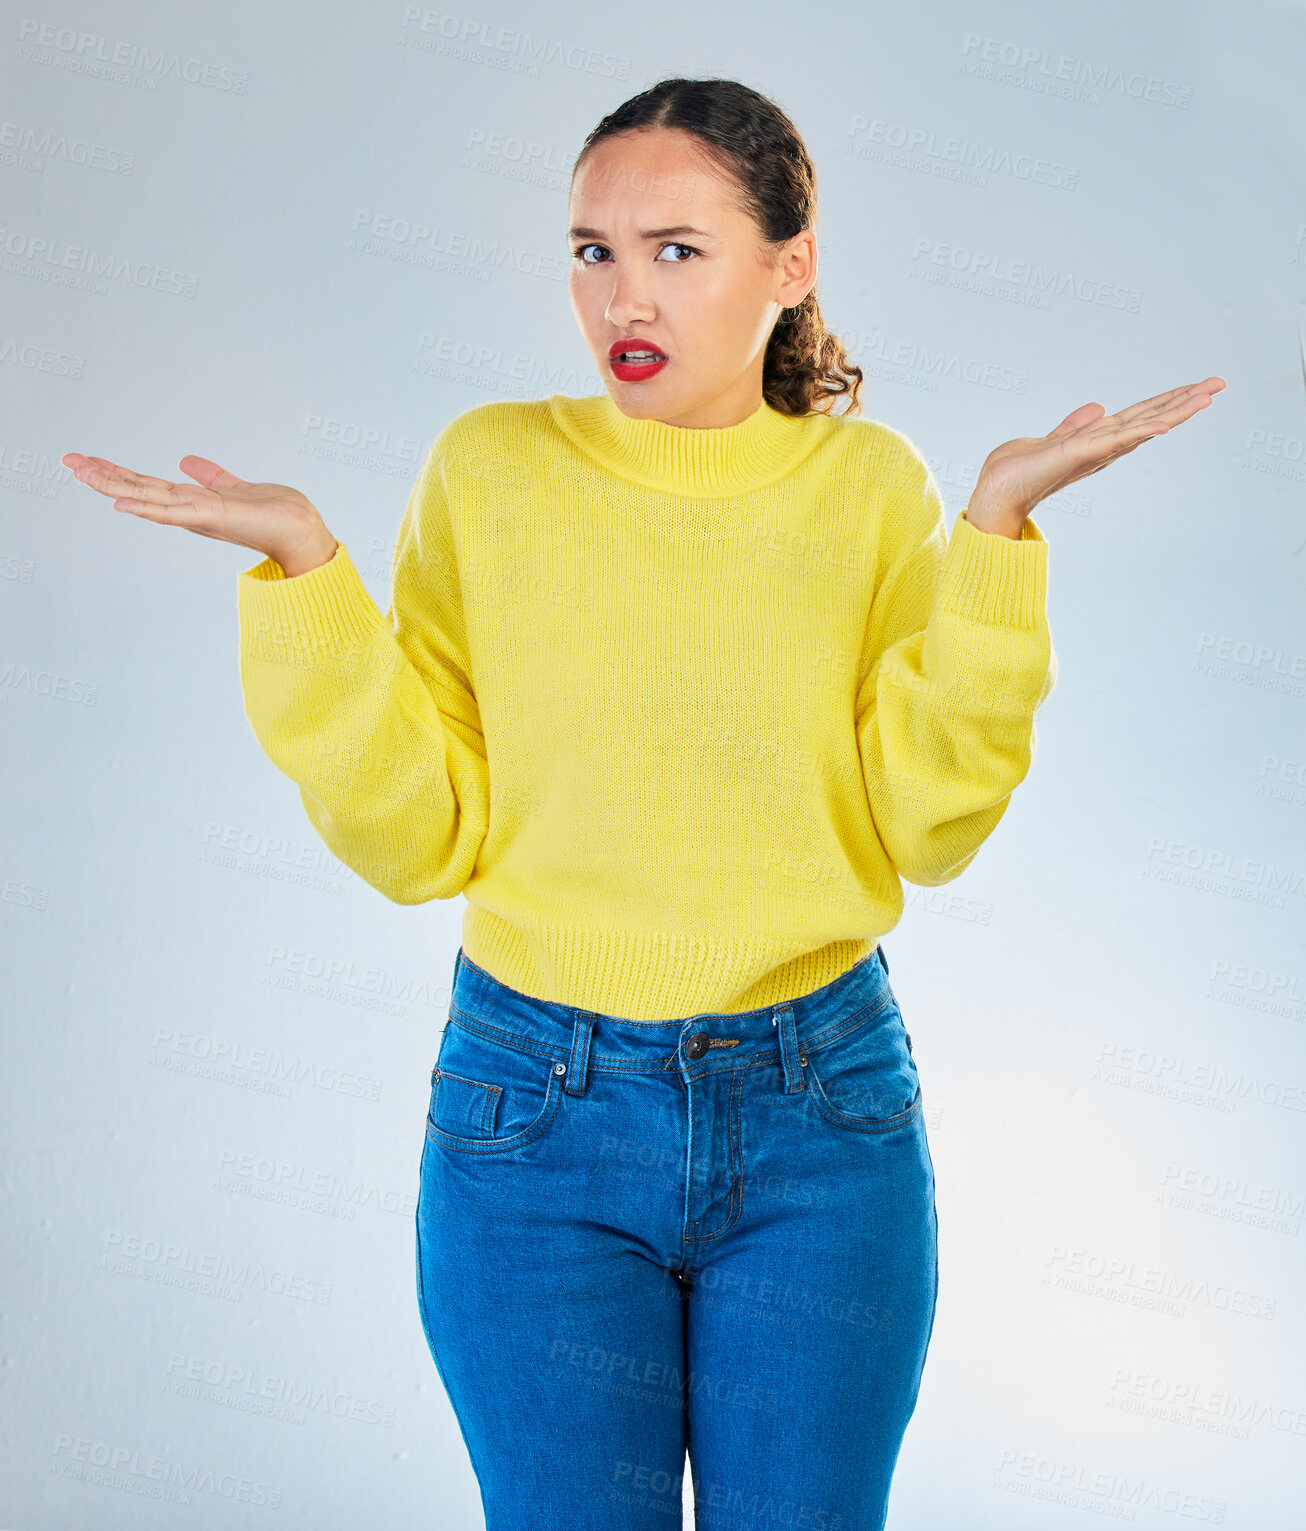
489 1097
865 1078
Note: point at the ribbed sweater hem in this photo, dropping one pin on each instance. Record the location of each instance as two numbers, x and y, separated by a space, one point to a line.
995 579
612 972
326 610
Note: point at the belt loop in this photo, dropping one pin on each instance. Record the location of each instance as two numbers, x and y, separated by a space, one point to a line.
578 1067
884 961
789 1055
457 963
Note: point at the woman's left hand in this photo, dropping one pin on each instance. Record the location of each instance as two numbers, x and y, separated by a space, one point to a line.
1020 473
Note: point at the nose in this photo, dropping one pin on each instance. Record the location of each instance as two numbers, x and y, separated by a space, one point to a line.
627 304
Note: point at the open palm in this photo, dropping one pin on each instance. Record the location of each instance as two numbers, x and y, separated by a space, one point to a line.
273 519
1020 473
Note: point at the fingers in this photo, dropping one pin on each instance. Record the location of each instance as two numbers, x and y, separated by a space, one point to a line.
1174 398
1141 421
1084 415
120 483
208 473
1125 438
1159 422
1149 417
1146 406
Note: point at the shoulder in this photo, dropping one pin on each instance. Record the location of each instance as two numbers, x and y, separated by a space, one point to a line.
910 513
891 452
489 447
505 425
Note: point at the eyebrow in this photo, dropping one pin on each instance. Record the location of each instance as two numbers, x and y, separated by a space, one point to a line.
679 228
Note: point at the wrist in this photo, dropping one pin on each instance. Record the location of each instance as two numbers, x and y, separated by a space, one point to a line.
998 517
309 556
997 526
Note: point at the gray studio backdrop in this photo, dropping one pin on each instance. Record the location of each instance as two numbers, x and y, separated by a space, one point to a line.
299 239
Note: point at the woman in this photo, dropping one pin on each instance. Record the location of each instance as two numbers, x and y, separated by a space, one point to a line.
677 684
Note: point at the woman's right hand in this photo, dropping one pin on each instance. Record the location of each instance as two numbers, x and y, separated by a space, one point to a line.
273 519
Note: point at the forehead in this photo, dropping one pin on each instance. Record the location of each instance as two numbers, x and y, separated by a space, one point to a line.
650 179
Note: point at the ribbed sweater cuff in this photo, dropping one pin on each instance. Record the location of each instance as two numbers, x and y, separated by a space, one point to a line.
325 611
995 579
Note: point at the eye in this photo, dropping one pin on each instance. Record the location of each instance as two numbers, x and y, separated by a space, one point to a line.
579 253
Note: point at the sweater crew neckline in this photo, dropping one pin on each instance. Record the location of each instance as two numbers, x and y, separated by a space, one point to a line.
676 459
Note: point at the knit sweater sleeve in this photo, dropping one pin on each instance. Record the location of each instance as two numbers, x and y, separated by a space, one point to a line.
374 716
957 660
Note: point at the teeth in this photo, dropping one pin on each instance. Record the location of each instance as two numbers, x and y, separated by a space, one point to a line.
640 356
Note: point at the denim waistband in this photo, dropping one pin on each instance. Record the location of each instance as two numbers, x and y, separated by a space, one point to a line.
702 1043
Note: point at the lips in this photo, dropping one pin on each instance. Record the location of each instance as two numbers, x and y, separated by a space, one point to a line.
619 346
633 360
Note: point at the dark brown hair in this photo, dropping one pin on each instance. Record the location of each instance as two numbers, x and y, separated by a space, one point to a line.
752 141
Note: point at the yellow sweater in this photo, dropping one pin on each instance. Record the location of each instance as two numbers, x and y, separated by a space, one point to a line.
674 709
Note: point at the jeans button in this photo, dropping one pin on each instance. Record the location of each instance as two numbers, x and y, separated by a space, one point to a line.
696 1046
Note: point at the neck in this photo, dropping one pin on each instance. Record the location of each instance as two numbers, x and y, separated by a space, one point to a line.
703 461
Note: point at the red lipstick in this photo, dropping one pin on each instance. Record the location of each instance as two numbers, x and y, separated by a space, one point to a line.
652 360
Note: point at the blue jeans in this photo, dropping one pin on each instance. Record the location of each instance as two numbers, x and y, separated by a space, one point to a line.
715 1234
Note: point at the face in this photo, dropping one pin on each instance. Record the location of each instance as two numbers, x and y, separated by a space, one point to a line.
666 258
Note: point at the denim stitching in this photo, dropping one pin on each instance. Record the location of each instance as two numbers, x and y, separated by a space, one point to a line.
502 1145
426 1327
736 1165
823 1039
507 1038
561 1054
488 1101
862 1123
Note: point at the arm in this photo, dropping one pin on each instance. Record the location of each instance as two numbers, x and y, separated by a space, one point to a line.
957 660
373 716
